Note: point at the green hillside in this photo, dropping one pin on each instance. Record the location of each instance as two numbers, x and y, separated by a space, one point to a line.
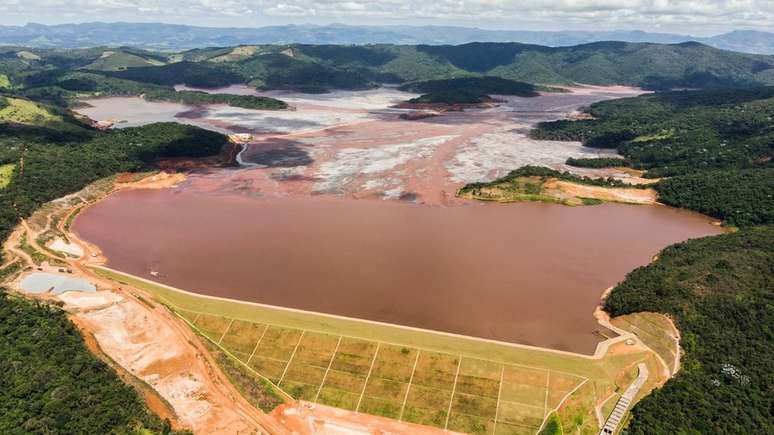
720 291
112 60
353 67
19 111
715 145
319 68
648 65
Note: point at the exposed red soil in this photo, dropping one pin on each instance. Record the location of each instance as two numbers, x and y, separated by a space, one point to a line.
304 417
417 115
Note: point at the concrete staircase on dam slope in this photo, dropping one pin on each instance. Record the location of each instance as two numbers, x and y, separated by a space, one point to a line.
611 425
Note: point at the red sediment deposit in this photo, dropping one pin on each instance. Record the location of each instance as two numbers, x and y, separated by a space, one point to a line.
417 115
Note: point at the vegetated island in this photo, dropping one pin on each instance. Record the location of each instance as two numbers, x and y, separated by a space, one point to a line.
476 85
196 98
538 183
459 93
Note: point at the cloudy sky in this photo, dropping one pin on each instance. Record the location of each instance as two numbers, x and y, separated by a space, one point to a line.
699 17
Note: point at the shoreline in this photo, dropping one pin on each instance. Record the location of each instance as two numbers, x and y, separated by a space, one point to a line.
94 258
599 352
97 259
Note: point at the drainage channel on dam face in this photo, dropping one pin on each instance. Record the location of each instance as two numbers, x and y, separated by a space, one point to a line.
526 273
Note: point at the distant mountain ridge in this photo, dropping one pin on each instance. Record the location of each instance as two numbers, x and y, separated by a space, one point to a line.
160 36
53 74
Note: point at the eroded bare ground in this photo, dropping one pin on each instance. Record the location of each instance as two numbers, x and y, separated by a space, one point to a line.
306 417
380 155
148 344
610 194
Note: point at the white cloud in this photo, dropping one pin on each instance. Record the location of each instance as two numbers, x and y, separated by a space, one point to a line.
647 14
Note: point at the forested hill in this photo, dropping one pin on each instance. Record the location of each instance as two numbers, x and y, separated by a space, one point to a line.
318 68
715 146
720 291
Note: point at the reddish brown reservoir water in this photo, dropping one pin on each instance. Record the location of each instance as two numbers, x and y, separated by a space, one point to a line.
527 273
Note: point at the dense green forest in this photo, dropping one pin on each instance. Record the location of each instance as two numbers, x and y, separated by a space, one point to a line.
198 75
739 197
720 291
716 147
674 133
597 162
52 384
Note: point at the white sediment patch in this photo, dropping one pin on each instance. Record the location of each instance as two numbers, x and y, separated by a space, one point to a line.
279 121
68 248
131 111
493 155
368 100
42 282
135 111
393 193
350 163
83 301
